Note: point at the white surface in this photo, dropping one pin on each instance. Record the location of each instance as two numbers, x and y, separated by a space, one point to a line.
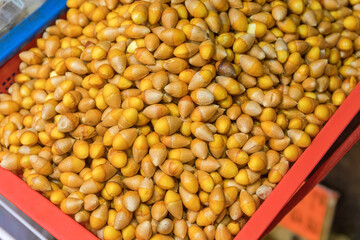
5 235
21 220
18 225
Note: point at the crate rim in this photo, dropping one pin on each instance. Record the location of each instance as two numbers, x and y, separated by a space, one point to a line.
14 40
63 226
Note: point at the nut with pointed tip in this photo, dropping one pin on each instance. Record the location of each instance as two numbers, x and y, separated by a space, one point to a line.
299 137
203 113
156 111
273 157
189 182
152 96
122 218
144 56
173 204
254 144
175 141
251 65
201 131
278 171
48 110
158 153
125 139
231 194
71 205
180 228
91 202
38 182
98 218
247 203
167 125
217 200
146 189
257 161
131 200
206 182
68 122
83 132
91 186
202 96
199 148
71 179
176 89
217 146
237 140
272 129
165 227
232 86
136 72
183 155
196 8
62 146
169 16
201 79
172 167
163 180
246 176
228 168
317 68
143 231
172 36
71 164
103 172
190 200
205 217
133 182
140 148
175 65
238 156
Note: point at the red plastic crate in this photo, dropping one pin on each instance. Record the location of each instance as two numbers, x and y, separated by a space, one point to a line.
292 188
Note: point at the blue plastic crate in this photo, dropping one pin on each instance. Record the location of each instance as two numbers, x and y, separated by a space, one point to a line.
30 27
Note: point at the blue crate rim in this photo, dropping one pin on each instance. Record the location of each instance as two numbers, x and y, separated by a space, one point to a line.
13 41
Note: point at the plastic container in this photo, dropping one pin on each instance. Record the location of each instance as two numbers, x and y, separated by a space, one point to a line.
309 169
14 11
29 28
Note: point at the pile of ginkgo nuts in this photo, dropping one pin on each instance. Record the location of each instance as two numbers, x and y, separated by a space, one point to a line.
175 119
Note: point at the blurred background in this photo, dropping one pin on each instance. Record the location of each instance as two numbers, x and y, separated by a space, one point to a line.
342 216
14 11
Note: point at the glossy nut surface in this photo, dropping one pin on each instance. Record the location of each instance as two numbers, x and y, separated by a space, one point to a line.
175 119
